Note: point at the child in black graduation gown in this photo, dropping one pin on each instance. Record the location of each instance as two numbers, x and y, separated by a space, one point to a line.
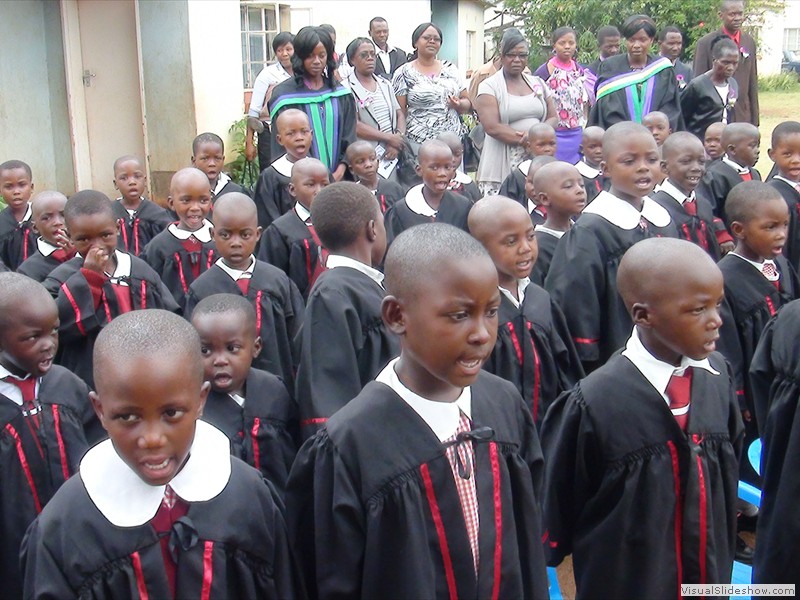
43 412
363 164
208 155
100 283
537 212
712 142
251 407
642 456
533 349
740 141
272 195
291 242
139 219
589 164
53 247
460 183
277 302
429 201
186 249
433 470
582 276
161 509
541 142
785 152
345 344
17 240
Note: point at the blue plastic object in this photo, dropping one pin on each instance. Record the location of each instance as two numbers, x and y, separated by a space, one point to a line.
754 455
555 589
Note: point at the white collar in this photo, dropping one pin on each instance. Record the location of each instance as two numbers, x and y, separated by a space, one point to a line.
624 215
669 188
222 181
12 391
522 285
202 235
760 266
794 184
586 170
416 202
302 212
735 166
283 165
378 48
28 213
123 269
45 247
462 177
337 260
658 372
237 398
554 232
127 501
442 417
235 274
525 166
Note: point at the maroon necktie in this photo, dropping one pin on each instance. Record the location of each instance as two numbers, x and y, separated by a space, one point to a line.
28 389
746 176
244 284
679 391
690 206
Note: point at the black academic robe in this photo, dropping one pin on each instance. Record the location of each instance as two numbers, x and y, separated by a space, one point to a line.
775 376
345 344
229 187
38 266
453 209
792 248
272 196
136 231
594 183
547 243
232 546
288 244
173 263
279 313
29 477
81 321
263 433
467 189
699 229
534 350
513 186
641 505
397 58
17 240
701 104
614 107
720 179
374 512
683 74
388 193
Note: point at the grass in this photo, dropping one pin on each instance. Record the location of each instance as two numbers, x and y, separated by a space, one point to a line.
775 107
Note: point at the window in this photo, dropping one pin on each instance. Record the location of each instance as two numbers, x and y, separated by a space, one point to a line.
471 37
260 24
791 39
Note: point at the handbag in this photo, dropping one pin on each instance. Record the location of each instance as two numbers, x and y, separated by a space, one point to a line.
472 152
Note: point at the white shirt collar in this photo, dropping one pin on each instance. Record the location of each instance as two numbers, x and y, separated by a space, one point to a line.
235 274
760 266
658 372
202 235
554 232
127 501
28 213
378 48
668 187
735 166
123 269
522 285
237 398
11 391
222 181
462 177
283 165
624 215
337 260
524 166
587 171
302 212
45 247
441 417
416 202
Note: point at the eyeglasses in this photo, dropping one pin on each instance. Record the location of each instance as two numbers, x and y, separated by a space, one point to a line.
520 56
366 54
431 38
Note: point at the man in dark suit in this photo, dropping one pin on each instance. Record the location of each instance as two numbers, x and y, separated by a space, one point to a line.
731 13
388 59
670 45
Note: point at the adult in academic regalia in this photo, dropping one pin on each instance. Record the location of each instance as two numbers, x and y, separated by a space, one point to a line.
670 45
633 84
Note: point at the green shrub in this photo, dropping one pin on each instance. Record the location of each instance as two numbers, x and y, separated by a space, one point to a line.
246 177
780 82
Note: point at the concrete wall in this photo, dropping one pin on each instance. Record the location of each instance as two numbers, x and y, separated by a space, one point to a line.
470 18
445 15
770 51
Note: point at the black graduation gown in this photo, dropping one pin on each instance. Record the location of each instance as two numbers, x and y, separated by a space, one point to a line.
236 548
624 486
701 104
547 243
289 245
513 186
594 183
136 231
81 322
173 263
699 229
279 313
468 189
28 478
720 179
792 248
345 344
229 187
38 266
534 350
453 209
775 376
374 511
263 433
272 196
388 193
17 240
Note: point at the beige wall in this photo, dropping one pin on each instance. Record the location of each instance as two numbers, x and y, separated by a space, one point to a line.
470 18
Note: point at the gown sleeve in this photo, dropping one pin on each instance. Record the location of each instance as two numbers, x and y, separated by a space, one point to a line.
44 578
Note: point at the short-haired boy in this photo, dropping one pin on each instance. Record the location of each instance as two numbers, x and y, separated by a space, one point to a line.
431 200
533 350
169 512
186 248
712 142
583 275
275 298
740 142
643 455
251 407
433 469
589 164
291 242
272 196
658 124
461 183
208 155
345 344
52 246
785 153
541 142
100 283
43 411
363 164
17 240
139 219
537 211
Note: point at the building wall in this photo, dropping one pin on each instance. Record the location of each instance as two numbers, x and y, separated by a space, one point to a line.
445 13
470 19
770 51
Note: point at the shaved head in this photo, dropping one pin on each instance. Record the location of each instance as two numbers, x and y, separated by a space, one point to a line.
552 174
308 166
218 304
433 147
616 136
44 199
736 132
126 158
180 178
234 203
679 142
489 212
17 290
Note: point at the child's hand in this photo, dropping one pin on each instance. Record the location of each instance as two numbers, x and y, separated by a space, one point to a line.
523 139
95 260
726 247
746 416
62 241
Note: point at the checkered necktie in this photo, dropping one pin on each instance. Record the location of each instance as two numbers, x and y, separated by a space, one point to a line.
462 458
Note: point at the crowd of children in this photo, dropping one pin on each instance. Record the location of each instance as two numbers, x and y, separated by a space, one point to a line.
353 389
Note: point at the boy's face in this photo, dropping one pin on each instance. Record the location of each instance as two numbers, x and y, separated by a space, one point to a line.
658 126
364 164
763 235
149 406
236 236
48 219
29 341
512 246
458 156
542 144
435 168
592 148
633 168
713 142
229 347
686 165
745 150
190 198
209 160
306 183
129 179
16 187
530 190
567 195
786 155
294 134
609 47
93 231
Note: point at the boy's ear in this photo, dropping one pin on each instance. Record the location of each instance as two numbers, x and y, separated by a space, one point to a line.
418 170
170 203
542 199
204 390
259 230
35 228
393 315
640 313
116 187
98 408
257 346
193 161
737 229
769 153
730 149
664 167
292 190
371 231
603 166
